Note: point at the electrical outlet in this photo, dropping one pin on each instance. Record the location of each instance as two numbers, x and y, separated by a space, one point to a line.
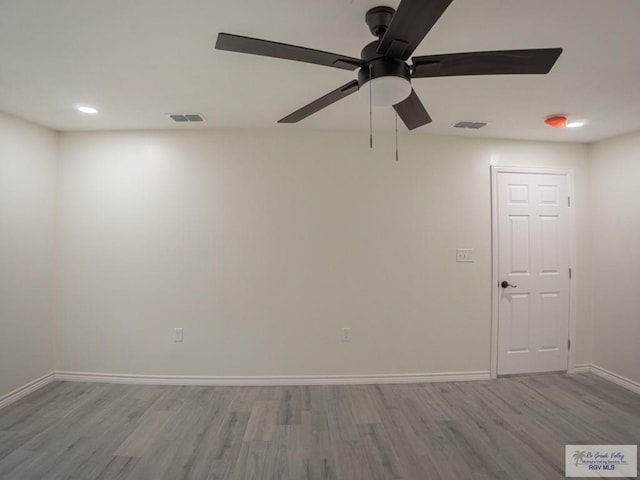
346 334
177 335
464 255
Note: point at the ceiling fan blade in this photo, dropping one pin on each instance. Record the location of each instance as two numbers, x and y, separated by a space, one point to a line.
322 102
410 24
255 46
412 112
486 63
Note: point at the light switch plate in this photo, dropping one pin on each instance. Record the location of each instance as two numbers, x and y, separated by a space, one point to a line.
177 335
464 255
346 334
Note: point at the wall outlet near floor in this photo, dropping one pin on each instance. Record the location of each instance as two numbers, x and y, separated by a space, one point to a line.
177 335
346 334
464 255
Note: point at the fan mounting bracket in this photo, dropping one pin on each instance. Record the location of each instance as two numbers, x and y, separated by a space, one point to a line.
378 20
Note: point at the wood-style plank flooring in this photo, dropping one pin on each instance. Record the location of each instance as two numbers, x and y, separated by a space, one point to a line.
511 428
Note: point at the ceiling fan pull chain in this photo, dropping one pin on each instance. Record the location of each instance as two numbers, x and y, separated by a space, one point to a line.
370 106
396 136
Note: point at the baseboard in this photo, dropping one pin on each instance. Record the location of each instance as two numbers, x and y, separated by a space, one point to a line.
21 392
270 380
25 390
582 368
615 378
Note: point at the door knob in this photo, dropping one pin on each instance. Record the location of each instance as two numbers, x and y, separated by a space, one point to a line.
506 284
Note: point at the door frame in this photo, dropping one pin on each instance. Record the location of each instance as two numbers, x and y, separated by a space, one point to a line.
495 291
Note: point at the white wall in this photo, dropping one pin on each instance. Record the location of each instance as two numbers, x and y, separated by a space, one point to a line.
615 229
27 207
263 245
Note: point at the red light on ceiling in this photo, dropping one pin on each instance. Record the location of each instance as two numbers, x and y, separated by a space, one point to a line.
556 121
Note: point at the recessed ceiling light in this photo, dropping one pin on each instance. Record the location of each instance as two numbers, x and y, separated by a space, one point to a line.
86 109
575 124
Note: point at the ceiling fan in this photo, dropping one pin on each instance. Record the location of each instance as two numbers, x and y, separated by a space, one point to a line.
384 77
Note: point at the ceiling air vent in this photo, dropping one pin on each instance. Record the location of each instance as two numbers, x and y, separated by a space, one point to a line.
185 117
473 125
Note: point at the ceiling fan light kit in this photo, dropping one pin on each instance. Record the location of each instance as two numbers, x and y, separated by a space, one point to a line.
384 76
383 91
389 79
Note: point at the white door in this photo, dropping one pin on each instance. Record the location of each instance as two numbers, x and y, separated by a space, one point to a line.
534 279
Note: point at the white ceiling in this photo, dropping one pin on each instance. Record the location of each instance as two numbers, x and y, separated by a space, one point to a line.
136 60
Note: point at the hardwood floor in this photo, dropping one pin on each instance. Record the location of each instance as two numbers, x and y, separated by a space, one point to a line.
511 428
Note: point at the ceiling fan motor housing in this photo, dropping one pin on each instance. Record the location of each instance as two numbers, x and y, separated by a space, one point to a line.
391 76
384 67
381 65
